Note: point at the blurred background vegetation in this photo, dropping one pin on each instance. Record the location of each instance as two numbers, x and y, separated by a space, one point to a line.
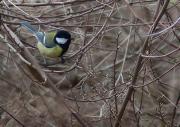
122 68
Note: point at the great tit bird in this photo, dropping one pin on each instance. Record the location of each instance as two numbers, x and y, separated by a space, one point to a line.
51 44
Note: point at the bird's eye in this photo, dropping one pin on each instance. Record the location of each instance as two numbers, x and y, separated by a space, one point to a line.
61 40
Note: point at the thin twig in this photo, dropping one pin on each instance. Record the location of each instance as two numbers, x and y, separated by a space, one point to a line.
19 122
174 111
139 65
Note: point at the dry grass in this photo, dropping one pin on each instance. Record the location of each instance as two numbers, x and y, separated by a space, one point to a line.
122 68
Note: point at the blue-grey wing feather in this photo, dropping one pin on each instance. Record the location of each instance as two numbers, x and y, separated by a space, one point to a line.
29 27
40 36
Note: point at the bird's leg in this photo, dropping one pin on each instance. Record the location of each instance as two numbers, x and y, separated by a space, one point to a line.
62 60
44 60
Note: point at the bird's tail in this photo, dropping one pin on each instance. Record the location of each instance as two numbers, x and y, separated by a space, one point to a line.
29 27
39 35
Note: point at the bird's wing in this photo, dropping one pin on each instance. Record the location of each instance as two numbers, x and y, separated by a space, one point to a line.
49 39
40 36
29 27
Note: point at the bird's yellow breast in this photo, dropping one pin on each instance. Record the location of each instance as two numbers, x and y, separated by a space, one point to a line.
49 52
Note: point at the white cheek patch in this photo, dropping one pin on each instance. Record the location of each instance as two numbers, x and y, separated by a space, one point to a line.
61 40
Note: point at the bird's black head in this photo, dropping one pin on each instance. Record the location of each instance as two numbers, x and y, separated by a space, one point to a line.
63 39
